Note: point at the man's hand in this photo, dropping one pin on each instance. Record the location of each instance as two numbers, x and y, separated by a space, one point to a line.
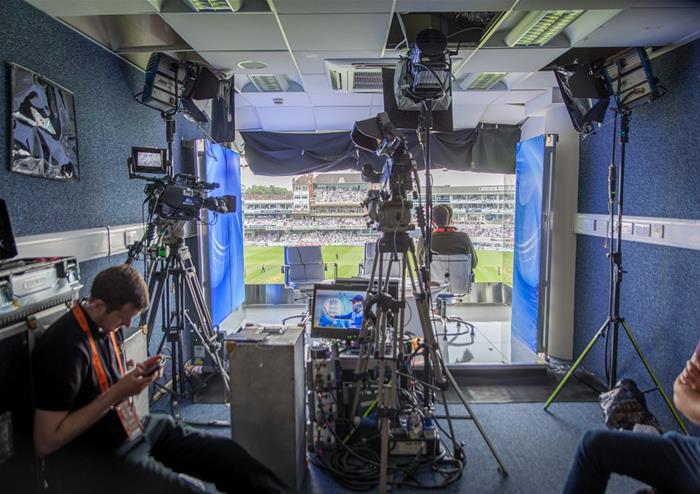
135 381
691 373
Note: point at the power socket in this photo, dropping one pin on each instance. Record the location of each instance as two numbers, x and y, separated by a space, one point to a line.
657 230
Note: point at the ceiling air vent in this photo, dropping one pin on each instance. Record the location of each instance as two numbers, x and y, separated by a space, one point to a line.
216 5
270 83
367 80
358 76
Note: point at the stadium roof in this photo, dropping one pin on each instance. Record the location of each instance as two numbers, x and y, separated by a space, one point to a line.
338 178
303 180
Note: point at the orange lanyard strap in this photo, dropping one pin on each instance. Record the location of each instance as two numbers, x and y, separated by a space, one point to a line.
96 361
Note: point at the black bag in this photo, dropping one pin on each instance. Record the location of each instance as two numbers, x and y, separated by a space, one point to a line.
625 405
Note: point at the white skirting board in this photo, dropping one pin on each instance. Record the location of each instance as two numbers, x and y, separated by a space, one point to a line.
85 245
671 232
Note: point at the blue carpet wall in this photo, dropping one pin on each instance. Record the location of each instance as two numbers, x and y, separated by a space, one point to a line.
659 293
109 123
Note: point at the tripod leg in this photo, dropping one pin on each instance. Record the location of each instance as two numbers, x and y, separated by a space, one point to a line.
204 329
452 380
669 403
573 368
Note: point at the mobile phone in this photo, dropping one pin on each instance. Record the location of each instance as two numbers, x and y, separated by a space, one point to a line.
151 370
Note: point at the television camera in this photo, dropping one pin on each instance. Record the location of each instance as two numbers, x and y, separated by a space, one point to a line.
178 197
389 207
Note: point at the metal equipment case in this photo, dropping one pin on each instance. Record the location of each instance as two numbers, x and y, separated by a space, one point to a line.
267 402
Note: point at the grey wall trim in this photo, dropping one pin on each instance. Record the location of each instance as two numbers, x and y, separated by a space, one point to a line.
85 245
671 232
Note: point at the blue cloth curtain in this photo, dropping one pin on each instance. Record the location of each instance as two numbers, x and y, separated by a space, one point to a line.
529 176
226 268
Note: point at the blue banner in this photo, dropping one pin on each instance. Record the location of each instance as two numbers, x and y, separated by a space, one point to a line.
226 270
529 175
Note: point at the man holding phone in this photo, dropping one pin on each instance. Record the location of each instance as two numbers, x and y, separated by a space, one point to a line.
669 462
85 425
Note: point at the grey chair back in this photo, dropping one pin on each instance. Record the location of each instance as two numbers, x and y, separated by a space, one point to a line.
303 265
368 261
457 267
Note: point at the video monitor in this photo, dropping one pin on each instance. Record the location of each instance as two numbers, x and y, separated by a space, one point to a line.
8 248
44 138
337 311
150 161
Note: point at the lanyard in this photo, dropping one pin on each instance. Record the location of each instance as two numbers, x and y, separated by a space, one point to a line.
96 361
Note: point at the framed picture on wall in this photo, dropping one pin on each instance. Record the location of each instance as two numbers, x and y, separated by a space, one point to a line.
44 134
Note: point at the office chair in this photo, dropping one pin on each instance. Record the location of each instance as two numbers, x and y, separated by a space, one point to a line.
454 273
303 268
365 267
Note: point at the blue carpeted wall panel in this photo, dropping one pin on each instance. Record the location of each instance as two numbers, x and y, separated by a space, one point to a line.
109 123
659 293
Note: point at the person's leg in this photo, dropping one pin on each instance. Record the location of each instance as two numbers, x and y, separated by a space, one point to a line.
670 462
87 470
211 458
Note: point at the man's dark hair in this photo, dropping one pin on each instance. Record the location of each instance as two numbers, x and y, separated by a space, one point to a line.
358 298
118 286
441 215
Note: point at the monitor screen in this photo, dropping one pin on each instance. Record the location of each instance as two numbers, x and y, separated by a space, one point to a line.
44 131
8 249
337 311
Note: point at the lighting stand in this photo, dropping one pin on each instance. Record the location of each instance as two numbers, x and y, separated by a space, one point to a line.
614 320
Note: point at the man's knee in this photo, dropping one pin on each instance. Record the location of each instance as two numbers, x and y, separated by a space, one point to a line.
592 443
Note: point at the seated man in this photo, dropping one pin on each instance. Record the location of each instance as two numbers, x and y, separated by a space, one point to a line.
447 239
87 430
668 462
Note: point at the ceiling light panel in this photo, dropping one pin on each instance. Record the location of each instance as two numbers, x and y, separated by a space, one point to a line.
452 5
540 26
645 27
336 32
215 5
485 80
511 59
223 31
62 8
332 6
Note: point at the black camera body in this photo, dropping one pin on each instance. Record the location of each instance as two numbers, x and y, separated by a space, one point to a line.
389 207
182 197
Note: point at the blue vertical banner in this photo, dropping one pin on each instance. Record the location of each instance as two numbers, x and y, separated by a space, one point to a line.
529 177
226 270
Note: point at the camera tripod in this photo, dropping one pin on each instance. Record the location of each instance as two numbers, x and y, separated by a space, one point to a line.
612 323
171 266
385 344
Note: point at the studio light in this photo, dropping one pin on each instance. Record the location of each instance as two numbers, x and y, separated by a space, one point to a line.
170 83
630 78
587 88
425 75
539 26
